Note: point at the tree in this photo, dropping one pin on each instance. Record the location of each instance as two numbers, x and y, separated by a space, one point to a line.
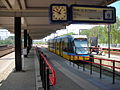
102 34
7 41
71 33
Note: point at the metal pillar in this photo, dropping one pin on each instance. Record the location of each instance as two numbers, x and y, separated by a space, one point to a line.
29 43
109 29
28 47
79 32
18 59
25 42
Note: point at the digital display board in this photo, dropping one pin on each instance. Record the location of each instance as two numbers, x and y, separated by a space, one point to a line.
89 14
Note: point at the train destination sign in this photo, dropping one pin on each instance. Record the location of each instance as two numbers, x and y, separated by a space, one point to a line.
88 14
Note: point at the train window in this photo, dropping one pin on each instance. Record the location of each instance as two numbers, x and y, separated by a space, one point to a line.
81 42
65 45
70 47
81 46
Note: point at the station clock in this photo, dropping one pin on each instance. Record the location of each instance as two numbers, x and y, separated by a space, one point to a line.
59 13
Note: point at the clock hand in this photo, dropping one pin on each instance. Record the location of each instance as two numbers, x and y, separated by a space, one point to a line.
55 11
59 11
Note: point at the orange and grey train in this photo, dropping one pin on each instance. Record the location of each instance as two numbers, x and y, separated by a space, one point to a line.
71 47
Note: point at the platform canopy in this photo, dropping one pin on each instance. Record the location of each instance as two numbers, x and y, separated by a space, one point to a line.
35 14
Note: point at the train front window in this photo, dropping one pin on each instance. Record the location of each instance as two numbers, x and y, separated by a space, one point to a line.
81 46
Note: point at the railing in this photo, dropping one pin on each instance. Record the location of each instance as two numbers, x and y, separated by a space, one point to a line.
100 66
46 71
114 49
100 48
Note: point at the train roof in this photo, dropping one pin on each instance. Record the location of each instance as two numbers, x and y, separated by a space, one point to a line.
75 36
70 36
79 36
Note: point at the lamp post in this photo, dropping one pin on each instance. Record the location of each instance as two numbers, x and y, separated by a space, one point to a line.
109 29
79 32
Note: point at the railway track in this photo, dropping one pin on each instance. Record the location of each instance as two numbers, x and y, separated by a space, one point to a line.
105 50
6 50
113 52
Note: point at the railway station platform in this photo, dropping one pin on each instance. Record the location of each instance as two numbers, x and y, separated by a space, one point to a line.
28 79
67 76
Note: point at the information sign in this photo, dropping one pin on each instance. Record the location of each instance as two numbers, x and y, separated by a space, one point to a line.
88 14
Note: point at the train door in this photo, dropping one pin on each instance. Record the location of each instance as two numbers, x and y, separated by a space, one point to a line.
58 46
61 47
54 45
70 47
49 45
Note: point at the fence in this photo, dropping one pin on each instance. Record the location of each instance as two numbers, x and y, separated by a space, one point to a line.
101 48
46 71
114 49
100 63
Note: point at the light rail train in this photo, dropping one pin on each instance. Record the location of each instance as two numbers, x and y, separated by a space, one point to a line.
71 47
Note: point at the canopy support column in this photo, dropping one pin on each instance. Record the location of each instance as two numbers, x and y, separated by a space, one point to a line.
25 42
18 59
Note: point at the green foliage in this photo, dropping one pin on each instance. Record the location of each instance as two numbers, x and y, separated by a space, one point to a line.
102 34
71 33
43 43
7 41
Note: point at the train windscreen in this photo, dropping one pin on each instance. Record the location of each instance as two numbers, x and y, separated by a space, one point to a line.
81 46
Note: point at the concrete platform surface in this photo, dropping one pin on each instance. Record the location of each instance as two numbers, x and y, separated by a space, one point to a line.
28 79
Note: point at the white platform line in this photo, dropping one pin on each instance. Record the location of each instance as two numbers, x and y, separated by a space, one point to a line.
37 74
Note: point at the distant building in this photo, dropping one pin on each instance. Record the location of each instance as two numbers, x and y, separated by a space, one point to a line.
4 34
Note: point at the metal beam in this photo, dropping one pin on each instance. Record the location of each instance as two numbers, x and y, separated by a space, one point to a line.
23 4
46 27
107 2
7 4
14 4
23 13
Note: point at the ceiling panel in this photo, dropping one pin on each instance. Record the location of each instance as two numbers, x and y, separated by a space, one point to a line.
37 20
46 3
2 6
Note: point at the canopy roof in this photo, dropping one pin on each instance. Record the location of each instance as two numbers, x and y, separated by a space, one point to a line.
37 23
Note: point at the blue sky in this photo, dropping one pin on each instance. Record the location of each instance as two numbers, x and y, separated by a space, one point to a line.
117 6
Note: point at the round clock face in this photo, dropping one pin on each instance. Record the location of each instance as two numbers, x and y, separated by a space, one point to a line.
59 13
